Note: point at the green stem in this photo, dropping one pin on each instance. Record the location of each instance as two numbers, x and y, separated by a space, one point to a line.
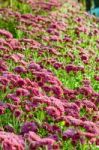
11 3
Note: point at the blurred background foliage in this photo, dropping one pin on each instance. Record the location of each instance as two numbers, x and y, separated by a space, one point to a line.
10 3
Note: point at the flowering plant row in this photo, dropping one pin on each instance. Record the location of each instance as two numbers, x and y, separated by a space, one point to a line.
49 81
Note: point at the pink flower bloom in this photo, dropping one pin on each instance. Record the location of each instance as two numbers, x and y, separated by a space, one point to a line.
47 88
91 127
2 110
13 97
4 80
97 59
4 43
86 90
69 133
57 65
71 106
3 66
12 107
58 104
57 90
20 69
14 43
89 104
36 141
67 39
15 57
22 92
20 82
17 113
10 141
72 121
35 92
70 68
8 128
41 99
87 134
28 126
52 111
71 112
54 38
33 136
96 78
3 48
6 33
47 141
35 66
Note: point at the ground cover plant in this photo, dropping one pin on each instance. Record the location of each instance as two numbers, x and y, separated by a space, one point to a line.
49 76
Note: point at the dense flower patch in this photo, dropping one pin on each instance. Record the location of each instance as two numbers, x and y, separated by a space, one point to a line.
49 77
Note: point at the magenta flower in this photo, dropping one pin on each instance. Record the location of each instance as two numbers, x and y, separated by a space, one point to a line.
52 111
3 66
91 127
20 69
47 88
86 90
32 136
70 68
58 104
72 121
54 38
21 82
54 137
22 92
15 57
69 133
8 128
35 66
67 39
11 141
57 90
12 107
15 44
6 33
3 48
96 77
17 113
42 99
89 104
57 65
47 141
13 97
88 134
2 110
28 126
